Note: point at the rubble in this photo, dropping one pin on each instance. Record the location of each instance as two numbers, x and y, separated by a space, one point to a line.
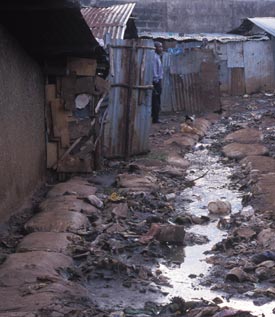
115 234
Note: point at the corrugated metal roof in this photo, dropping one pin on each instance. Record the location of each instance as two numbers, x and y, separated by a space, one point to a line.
220 37
266 23
111 20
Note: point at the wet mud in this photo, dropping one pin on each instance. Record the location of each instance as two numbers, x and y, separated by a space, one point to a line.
186 230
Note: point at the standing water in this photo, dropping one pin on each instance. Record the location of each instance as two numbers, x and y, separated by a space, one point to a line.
212 184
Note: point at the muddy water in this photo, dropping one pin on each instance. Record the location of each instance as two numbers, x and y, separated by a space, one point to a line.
187 265
215 185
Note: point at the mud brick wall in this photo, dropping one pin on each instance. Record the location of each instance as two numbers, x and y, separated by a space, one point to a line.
193 16
22 137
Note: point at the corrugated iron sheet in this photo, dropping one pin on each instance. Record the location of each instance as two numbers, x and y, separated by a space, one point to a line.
259 66
112 20
219 37
192 85
129 116
266 23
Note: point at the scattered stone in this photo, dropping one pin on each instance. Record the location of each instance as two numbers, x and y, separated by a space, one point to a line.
239 151
219 207
237 274
134 182
66 221
247 212
245 136
50 242
76 186
170 197
95 201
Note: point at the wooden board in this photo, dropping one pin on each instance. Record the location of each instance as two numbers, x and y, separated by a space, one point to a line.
82 66
60 123
79 128
68 91
237 81
85 85
210 87
50 92
72 164
52 154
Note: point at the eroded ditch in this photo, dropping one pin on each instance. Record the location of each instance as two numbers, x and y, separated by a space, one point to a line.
186 267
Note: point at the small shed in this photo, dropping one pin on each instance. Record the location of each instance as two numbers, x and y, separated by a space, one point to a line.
128 119
245 65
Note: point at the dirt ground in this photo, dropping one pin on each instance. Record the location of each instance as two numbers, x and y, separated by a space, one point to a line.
108 244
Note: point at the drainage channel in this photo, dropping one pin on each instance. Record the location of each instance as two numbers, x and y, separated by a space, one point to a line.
214 185
187 266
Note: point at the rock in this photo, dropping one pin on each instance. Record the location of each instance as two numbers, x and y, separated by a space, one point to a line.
23 268
178 161
181 141
266 238
264 256
153 288
172 171
49 241
75 186
63 221
219 207
263 164
67 203
239 151
170 197
95 201
245 232
186 128
247 135
120 210
237 275
151 234
137 182
173 234
247 212
117 314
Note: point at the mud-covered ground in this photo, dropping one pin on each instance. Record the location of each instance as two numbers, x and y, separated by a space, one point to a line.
181 231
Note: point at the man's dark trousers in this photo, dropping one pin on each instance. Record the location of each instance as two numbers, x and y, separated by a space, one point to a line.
156 101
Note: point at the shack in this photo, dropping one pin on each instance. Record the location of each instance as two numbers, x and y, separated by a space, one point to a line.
128 120
42 45
244 64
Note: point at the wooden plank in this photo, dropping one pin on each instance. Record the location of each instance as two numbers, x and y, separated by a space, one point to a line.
68 84
52 154
210 86
237 81
85 85
50 92
82 66
101 85
72 164
60 122
79 128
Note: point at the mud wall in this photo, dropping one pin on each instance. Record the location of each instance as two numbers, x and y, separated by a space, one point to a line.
22 144
192 16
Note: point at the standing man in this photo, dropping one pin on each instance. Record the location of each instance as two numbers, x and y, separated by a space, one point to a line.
157 82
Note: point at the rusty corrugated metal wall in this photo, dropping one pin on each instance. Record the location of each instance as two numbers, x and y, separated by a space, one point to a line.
189 86
249 62
129 116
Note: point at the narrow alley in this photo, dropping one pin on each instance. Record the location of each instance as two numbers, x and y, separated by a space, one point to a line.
137 158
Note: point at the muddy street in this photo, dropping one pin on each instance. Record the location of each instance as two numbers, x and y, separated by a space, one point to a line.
186 230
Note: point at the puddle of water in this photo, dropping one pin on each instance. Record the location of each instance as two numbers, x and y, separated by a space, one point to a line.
215 185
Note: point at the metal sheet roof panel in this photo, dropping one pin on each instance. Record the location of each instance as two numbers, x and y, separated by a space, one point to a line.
220 37
265 23
111 19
